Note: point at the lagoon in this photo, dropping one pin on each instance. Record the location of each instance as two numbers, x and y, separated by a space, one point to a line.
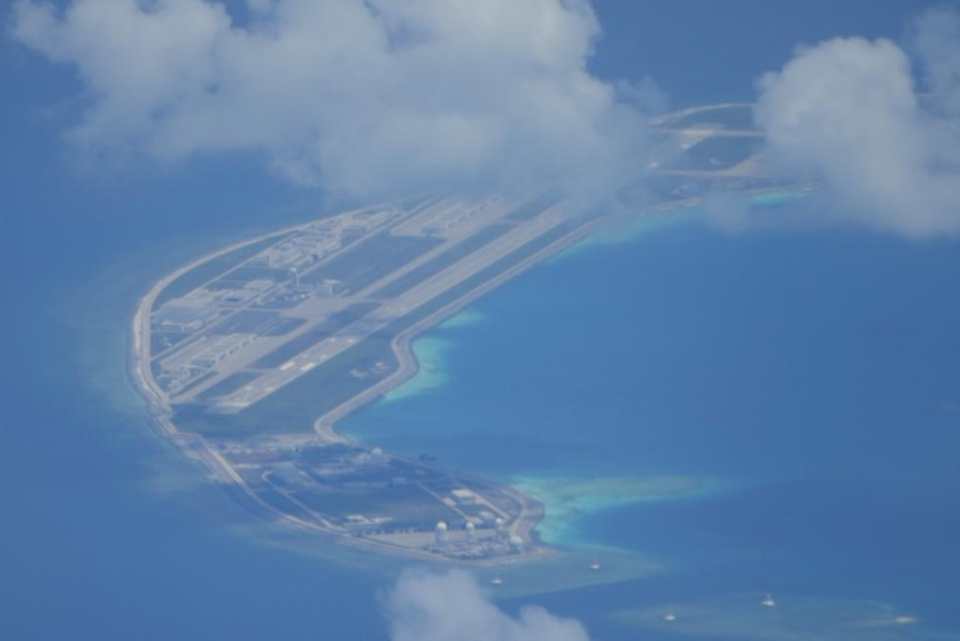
768 411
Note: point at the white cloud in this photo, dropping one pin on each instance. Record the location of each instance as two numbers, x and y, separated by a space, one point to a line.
728 211
362 97
451 607
935 37
846 112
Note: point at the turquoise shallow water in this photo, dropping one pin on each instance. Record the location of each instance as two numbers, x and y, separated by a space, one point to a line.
771 411
679 434
845 493
107 532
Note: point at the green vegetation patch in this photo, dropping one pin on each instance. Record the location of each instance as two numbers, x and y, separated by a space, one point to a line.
370 261
281 503
251 321
442 261
325 328
197 381
408 505
296 406
228 385
246 274
283 325
245 322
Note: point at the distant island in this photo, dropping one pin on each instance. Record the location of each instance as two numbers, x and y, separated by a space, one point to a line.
248 357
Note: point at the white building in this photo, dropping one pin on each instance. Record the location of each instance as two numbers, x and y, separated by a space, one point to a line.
440 533
464 497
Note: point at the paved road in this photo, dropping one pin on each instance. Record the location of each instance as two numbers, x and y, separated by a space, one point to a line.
380 318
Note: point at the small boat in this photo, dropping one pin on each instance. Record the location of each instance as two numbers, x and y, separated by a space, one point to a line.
496 580
768 602
595 566
669 616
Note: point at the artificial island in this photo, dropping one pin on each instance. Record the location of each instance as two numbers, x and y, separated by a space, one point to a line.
249 356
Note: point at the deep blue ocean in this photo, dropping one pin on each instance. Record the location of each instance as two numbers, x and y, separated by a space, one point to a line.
805 377
804 383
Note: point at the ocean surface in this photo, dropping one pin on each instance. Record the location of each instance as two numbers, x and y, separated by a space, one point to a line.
772 411
775 411
769 412
107 533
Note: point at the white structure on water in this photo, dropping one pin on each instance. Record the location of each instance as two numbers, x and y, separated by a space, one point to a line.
440 533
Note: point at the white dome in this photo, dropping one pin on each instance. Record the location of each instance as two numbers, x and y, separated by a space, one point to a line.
441 526
471 526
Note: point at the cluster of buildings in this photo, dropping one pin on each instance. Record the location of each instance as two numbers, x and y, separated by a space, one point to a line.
200 358
319 240
199 308
362 492
470 542
303 249
187 314
255 282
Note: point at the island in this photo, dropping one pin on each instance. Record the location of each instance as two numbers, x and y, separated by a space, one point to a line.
248 357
